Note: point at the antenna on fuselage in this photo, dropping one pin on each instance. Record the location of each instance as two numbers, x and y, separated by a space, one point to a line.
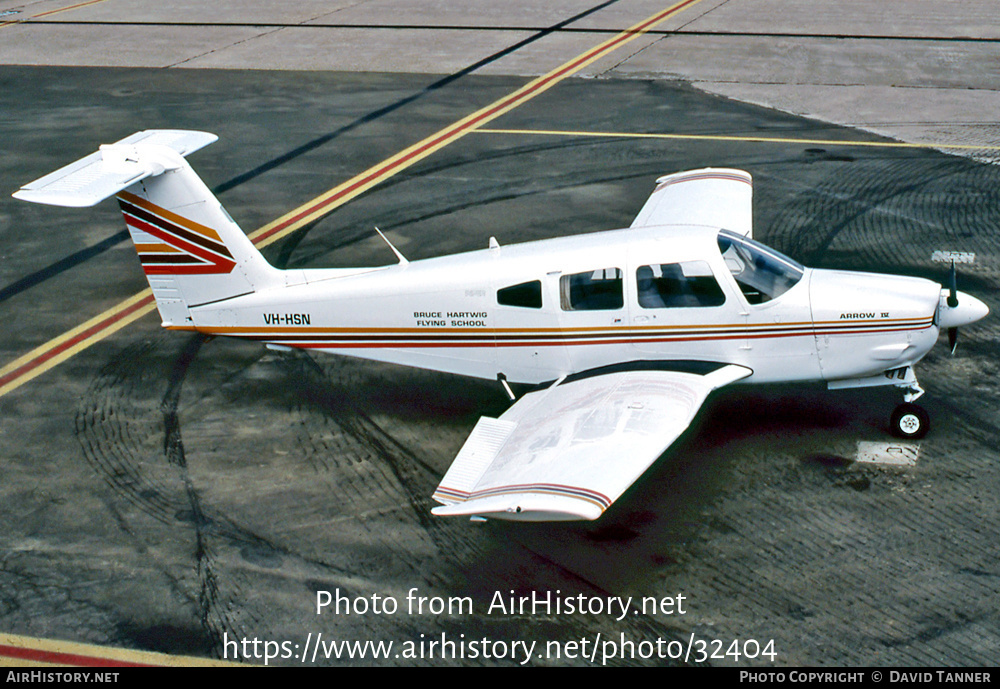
402 259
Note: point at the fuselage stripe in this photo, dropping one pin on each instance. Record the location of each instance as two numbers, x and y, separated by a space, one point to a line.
355 338
812 327
404 342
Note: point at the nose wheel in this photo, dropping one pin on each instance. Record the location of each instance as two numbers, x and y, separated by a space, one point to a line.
910 421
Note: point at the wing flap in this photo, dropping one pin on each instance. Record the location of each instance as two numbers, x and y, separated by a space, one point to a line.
716 197
479 450
570 451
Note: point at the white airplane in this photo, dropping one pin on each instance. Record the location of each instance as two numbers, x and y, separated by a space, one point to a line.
624 333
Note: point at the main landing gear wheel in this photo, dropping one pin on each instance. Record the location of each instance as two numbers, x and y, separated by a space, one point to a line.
910 421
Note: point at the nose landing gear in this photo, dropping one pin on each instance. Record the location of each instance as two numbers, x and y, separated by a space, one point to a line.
909 420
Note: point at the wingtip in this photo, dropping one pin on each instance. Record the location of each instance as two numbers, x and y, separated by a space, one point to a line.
523 508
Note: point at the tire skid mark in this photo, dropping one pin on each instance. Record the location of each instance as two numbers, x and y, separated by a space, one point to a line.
105 428
402 474
887 207
133 438
367 457
890 217
633 626
117 426
780 514
214 619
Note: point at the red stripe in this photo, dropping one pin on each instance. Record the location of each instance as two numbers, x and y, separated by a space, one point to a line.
544 488
185 269
443 342
79 337
59 658
217 264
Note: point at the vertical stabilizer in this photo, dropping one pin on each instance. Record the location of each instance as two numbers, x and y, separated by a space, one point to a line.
191 250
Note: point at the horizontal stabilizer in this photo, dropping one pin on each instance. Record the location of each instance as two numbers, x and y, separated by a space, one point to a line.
116 166
192 251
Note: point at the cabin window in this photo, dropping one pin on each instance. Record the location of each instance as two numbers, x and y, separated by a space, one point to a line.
678 285
761 272
595 290
526 295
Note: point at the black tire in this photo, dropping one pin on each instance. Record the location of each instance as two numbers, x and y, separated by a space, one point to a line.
910 421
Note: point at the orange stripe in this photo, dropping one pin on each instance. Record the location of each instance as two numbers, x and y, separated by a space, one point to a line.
172 217
157 249
318 330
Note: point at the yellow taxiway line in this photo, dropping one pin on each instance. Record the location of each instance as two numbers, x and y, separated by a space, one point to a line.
339 195
26 651
736 138
50 354
48 13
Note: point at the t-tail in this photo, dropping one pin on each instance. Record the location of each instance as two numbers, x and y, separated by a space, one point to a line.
191 250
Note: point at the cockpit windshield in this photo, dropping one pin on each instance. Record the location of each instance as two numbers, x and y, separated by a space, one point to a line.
761 272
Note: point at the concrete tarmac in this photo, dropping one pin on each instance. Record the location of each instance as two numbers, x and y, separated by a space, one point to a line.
166 493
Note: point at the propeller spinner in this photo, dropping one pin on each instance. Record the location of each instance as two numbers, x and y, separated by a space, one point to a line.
957 309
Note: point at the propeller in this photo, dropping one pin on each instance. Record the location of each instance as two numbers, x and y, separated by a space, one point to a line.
952 303
957 309
952 287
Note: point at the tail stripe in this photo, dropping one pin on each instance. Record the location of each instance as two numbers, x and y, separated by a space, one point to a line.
187 247
169 215
156 249
194 238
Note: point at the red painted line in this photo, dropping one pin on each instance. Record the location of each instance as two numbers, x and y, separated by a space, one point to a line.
447 135
624 338
73 341
559 489
58 658
456 131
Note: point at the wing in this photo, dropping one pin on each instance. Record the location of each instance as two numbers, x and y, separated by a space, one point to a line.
570 450
715 197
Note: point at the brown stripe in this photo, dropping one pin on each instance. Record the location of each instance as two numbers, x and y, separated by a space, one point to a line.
169 215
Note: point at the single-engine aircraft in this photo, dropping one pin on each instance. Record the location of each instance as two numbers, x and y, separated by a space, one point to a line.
624 332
